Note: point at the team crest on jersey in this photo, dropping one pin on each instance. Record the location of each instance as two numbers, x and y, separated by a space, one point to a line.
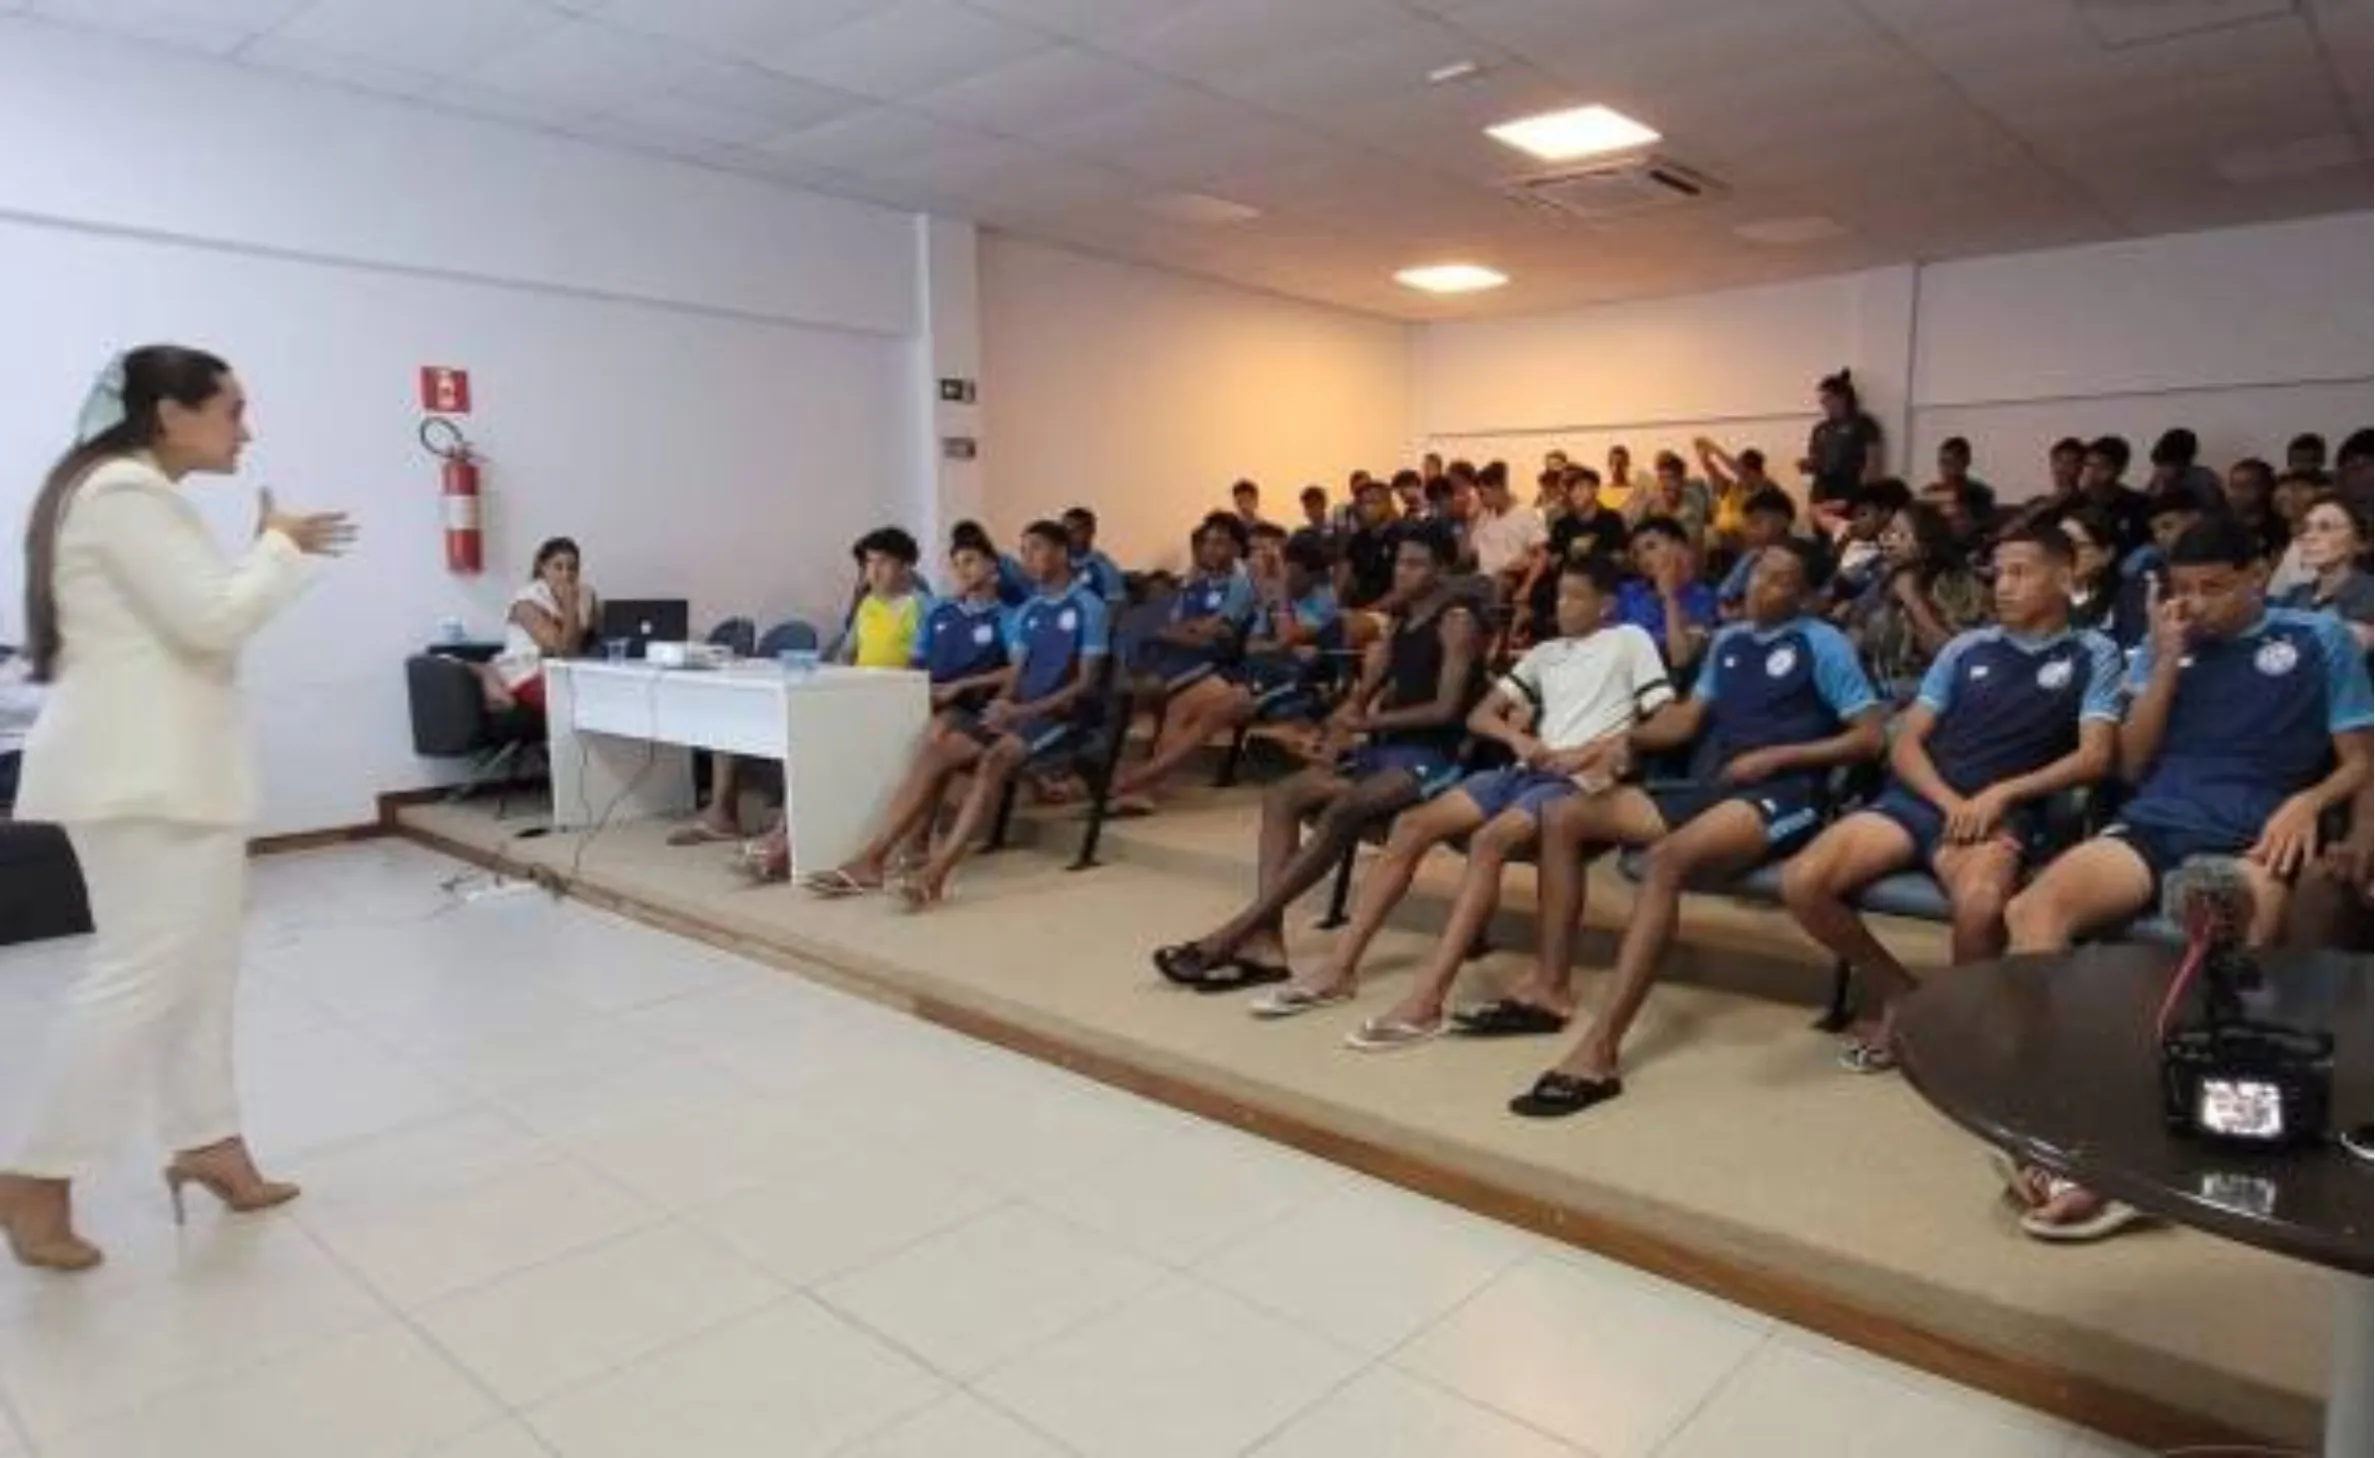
1978 672
1068 620
983 634
2055 673
1780 661
2276 658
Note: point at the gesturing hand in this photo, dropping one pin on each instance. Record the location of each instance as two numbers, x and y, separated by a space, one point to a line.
2172 623
316 534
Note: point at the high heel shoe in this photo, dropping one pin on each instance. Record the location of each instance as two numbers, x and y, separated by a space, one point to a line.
239 1199
59 1250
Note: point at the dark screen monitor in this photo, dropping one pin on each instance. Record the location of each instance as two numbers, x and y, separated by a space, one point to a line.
643 622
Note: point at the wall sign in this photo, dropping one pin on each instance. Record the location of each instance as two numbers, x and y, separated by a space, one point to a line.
956 392
958 447
445 390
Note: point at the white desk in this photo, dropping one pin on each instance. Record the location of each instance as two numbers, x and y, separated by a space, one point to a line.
621 735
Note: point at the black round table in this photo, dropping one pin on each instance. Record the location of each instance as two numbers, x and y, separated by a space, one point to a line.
2055 1059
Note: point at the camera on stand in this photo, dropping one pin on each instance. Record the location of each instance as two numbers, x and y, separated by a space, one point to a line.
2226 1075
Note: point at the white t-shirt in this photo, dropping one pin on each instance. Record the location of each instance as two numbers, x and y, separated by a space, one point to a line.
1591 687
521 659
1504 541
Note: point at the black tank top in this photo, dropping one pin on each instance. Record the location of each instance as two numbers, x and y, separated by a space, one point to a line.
1414 666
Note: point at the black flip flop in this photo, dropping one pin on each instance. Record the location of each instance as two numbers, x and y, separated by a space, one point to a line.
1557 1095
1186 964
1237 974
1507 1018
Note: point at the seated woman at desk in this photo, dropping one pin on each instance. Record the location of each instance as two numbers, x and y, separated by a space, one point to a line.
549 618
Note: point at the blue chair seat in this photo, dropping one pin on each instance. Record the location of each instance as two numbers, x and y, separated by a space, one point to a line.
1915 894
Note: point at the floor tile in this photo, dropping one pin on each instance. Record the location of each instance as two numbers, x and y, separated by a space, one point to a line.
969 1298
1789 1403
1366 1264
332 1085
489 1062
1182 1199
648 1093
958 1426
507 1439
1610 1363
844 1215
720 1149
434 1157
1185 1371
377 1392
793 1381
699 1021
415 1251
532 1334
236 1295
1385 1414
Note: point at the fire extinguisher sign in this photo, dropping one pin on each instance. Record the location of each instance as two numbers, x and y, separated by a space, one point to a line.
445 390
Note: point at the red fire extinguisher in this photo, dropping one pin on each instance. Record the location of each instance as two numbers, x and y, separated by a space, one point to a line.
464 538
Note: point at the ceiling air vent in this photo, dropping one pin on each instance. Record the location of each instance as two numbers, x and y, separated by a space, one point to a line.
1615 189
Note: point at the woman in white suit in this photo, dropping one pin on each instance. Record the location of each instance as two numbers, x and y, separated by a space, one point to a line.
135 620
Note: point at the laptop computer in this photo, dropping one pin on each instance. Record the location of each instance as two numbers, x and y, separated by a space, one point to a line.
643 622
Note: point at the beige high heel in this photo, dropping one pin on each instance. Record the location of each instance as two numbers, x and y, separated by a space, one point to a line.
61 1250
239 1199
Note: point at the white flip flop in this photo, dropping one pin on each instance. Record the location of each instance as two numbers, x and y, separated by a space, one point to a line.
1292 1001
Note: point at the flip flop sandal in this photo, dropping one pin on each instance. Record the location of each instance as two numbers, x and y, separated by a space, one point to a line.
1507 1018
913 897
1862 1057
763 863
700 834
2114 1217
1557 1095
1392 1035
1134 807
1291 1001
836 885
1239 973
2016 1176
1185 964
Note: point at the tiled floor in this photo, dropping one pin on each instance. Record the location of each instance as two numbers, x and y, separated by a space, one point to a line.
576 1187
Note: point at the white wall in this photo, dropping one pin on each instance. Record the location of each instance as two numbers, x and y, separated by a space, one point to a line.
2247 335
711 384
1147 393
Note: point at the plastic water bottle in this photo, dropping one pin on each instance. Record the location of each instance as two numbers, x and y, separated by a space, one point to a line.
450 630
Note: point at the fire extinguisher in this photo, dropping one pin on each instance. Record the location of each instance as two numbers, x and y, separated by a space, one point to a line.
464 537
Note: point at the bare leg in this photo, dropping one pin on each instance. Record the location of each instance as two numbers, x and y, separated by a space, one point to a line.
1573 831
1196 713
2094 884
1338 830
490 688
1285 808
918 797
1388 881
1729 836
1816 885
1480 891
997 765
1979 880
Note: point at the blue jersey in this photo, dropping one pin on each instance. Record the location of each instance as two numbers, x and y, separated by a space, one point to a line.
1314 610
1014 584
1228 597
1049 636
1638 603
962 638
1766 687
2252 724
2008 706
1099 574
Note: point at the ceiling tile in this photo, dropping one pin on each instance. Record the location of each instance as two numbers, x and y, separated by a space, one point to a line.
877 138
443 37
215 27
900 49
1038 93
360 72
736 28
1080 19
1389 62
589 68
1214 39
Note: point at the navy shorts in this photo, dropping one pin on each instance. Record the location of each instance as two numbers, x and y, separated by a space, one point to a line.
1530 791
2163 848
1434 770
1926 824
1791 806
1176 666
1281 688
1041 738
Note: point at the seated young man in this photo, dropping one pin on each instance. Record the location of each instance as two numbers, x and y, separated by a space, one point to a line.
1411 704
2245 725
1292 608
1780 703
1209 618
1766 517
1582 691
1666 599
1053 642
1091 568
2007 717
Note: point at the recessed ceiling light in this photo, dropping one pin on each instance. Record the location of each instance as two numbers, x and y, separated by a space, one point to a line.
1456 71
1196 207
1451 278
1563 136
1786 231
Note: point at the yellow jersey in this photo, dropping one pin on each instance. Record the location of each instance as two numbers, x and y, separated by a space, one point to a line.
884 630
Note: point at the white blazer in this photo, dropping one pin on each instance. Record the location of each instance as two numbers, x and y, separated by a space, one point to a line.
144 719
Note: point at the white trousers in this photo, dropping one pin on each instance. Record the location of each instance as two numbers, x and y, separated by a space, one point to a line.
146 1028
